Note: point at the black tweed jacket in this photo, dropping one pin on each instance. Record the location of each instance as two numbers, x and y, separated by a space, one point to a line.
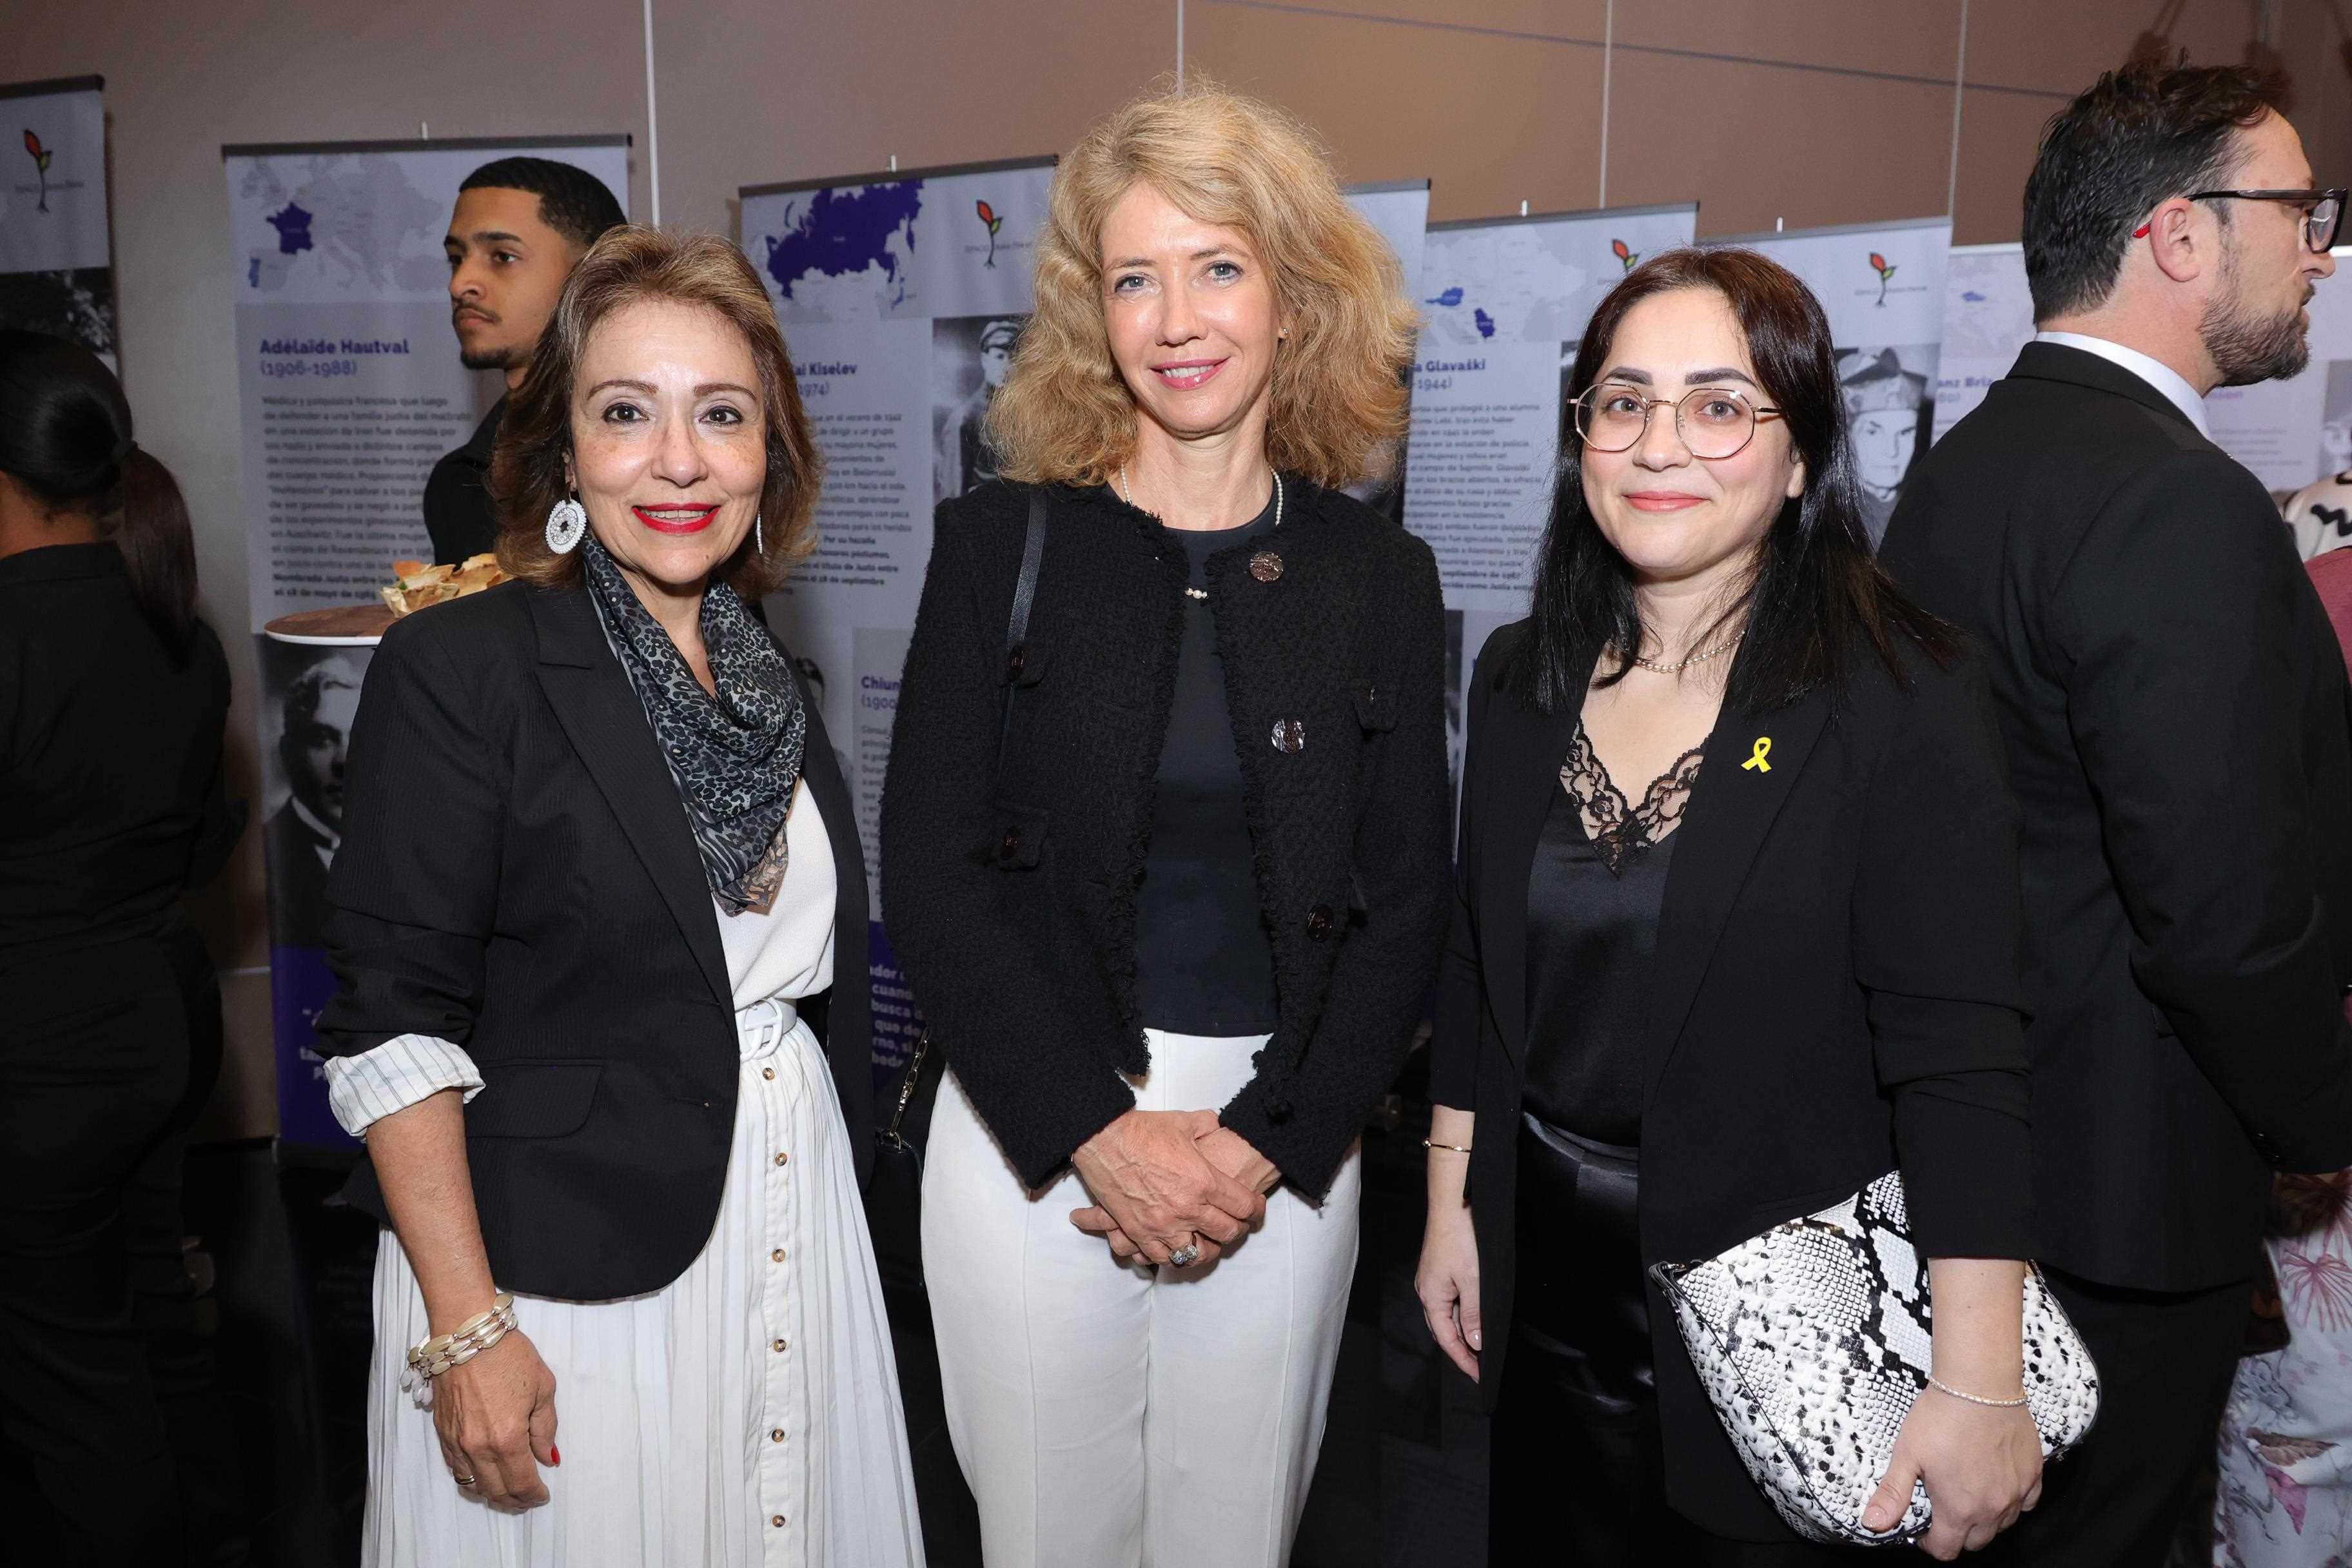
1011 899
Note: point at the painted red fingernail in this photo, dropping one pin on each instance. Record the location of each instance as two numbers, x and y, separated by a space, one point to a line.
554 1455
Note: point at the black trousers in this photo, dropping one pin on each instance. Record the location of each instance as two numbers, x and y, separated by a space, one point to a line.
1577 1471
2166 1360
107 1390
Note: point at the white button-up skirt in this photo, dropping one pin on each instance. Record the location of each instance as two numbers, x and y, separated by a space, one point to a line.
747 1413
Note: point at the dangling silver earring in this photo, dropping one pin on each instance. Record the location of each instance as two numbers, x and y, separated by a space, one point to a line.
567 522
759 535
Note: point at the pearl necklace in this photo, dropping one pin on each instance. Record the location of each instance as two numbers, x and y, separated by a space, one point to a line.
1119 483
1725 646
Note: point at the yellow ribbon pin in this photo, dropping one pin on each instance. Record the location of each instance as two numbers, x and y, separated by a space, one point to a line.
1763 750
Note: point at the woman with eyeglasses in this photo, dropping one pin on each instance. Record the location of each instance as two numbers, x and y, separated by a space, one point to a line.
1736 933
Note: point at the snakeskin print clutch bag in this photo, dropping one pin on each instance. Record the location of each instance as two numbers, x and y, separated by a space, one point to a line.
1812 1340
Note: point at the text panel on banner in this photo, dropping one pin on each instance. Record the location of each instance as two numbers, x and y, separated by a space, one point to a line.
57 271
350 389
901 296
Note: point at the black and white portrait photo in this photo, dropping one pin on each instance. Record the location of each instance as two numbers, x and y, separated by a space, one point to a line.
311 695
970 355
1890 402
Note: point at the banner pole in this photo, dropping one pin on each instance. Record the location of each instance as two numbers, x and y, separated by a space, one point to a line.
653 122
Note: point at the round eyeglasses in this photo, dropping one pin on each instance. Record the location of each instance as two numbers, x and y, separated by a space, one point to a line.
1713 422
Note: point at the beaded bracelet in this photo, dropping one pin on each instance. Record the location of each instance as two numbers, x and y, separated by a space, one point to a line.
430 1357
1977 1398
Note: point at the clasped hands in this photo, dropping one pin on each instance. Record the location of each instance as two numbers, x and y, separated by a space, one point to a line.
1162 1179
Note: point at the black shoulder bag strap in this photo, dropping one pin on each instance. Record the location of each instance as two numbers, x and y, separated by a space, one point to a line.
1016 652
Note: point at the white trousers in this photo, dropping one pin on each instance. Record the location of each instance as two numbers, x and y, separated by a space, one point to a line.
1110 1416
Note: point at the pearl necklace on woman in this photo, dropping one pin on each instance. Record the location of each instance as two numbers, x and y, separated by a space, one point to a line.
1119 483
1725 646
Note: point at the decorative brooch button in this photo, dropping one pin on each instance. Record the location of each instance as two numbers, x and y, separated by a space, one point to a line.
1265 566
1010 845
1319 922
1290 735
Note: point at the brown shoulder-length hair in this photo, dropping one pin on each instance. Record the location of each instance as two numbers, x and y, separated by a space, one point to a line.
628 265
1337 400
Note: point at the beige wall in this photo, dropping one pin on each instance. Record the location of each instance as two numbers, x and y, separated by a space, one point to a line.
1813 112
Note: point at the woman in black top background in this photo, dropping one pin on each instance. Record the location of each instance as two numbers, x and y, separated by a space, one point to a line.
1736 933
112 702
1176 940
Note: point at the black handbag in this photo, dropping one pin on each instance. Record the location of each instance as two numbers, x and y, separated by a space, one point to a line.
894 1198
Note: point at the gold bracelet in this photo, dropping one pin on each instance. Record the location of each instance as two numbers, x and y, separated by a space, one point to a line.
1976 1398
1457 1148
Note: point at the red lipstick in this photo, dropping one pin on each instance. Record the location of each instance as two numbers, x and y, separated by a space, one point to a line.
685 519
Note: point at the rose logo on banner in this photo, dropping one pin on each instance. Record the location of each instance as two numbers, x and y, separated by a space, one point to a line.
40 156
1886 271
988 215
1626 256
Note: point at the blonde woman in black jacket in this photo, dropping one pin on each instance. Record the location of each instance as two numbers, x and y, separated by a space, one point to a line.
1176 942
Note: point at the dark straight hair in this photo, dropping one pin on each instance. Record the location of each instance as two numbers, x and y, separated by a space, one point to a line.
66 439
1816 589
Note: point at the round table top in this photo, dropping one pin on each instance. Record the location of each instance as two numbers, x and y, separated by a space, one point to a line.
345 626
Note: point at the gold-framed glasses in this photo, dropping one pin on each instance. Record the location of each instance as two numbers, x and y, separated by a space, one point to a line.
1714 421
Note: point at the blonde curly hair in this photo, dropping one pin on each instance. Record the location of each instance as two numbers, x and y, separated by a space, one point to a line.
1338 400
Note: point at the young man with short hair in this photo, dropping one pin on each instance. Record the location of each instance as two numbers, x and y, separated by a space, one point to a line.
520 227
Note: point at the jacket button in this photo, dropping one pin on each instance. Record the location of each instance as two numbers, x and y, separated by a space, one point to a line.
1278 1112
1265 566
1014 660
1290 735
1010 845
1319 922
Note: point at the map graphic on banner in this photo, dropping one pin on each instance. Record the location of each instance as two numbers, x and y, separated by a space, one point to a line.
2289 432
348 384
56 273
1504 304
349 390
901 298
1881 286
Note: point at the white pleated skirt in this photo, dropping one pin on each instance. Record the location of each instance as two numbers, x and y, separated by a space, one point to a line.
746 1414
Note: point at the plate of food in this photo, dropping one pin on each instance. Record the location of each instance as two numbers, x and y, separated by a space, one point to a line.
420 584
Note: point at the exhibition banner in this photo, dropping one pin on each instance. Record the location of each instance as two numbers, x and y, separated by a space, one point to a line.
1988 317
2289 432
349 387
1400 211
1504 304
56 272
901 296
1882 286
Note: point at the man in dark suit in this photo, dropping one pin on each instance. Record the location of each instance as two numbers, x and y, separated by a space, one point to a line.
520 226
2175 714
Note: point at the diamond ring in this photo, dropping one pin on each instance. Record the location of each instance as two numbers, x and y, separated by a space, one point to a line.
1184 1256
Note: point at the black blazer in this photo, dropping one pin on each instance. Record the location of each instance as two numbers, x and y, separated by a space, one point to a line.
2174 708
1011 899
518 876
1835 995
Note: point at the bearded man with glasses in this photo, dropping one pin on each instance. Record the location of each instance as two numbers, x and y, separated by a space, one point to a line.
2173 704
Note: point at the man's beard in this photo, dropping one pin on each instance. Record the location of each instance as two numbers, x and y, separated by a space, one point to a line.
490 358
2246 348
